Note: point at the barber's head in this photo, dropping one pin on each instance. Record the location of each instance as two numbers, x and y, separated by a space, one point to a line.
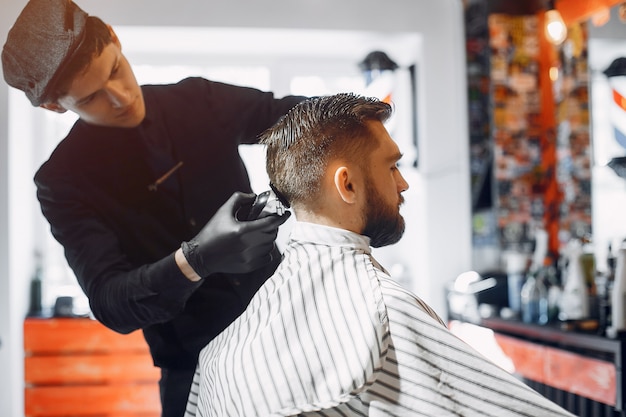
335 162
63 59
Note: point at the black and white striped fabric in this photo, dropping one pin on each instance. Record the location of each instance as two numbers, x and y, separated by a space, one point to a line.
331 334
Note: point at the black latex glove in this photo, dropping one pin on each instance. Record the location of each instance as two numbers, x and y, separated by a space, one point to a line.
226 244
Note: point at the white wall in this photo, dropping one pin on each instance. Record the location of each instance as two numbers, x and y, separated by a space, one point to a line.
606 43
441 225
7 322
443 218
12 288
608 189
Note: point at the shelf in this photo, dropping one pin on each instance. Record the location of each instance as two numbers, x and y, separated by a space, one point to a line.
583 364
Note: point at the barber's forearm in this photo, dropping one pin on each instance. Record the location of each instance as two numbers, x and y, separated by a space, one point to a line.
151 294
185 268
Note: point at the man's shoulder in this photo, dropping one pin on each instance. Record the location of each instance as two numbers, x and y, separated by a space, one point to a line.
184 86
85 145
67 149
187 82
188 92
404 300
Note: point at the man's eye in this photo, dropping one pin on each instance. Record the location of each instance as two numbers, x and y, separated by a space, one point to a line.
86 100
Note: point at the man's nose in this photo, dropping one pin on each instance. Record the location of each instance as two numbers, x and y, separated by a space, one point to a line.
402 184
118 94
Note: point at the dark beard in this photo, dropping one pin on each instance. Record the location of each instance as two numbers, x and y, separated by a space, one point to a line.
383 223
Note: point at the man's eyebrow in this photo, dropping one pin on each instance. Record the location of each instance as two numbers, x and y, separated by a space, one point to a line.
85 99
113 67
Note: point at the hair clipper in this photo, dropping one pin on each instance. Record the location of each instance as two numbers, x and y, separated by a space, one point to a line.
266 204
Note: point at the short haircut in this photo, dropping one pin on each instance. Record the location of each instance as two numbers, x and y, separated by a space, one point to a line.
313 133
97 37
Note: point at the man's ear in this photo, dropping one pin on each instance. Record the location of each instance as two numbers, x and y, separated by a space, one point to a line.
55 107
344 184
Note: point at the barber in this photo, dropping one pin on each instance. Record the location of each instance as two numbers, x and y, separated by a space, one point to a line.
144 190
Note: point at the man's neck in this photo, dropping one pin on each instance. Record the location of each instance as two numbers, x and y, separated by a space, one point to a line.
326 220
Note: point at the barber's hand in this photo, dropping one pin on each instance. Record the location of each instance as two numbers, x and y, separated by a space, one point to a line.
226 244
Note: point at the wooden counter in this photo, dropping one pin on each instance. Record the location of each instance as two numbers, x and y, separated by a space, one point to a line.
582 372
77 367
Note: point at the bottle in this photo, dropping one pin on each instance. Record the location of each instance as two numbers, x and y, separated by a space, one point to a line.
610 263
588 266
516 264
36 306
574 303
555 290
618 295
534 294
534 300
604 285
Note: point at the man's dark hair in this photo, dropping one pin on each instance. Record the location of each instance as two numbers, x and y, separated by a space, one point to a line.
97 37
314 132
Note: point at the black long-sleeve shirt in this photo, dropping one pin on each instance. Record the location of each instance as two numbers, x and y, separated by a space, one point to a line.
120 233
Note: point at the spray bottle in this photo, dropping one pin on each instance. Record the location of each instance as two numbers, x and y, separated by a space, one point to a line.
574 299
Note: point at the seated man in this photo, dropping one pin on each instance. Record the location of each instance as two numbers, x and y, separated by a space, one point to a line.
330 333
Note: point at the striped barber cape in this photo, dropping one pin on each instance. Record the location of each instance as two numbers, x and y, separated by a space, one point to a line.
331 334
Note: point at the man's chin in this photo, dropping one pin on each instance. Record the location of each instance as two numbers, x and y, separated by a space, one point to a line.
378 240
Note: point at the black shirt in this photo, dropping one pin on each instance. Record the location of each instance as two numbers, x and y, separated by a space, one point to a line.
120 233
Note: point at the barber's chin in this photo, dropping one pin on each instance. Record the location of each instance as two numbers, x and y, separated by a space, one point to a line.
134 122
132 117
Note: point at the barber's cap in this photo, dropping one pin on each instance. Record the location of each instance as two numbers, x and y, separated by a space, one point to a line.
41 42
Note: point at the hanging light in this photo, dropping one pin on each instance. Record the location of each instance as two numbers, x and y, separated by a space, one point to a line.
556 31
375 64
